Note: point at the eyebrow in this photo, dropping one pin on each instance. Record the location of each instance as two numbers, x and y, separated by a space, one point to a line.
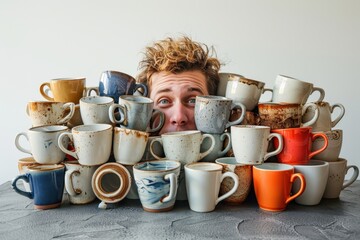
190 89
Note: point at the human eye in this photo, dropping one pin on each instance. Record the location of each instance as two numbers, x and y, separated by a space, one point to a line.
191 101
163 102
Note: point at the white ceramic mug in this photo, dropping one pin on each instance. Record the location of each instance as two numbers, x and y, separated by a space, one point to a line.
92 143
203 181
291 90
250 143
316 174
129 145
324 122
44 143
78 182
183 146
95 109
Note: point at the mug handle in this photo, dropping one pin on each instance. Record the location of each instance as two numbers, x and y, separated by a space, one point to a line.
302 186
69 186
122 111
207 152
151 147
279 148
228 146
341 114
321 91
161 123
268 90
67 118
44 93
17 143
353 177
314 118
143 87
173 187
89 90
241 106
63 148
315 136
233 190
24 177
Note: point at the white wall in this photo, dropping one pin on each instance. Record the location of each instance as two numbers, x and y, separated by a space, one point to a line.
316 41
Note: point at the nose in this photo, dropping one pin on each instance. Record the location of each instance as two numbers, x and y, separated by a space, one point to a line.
179 116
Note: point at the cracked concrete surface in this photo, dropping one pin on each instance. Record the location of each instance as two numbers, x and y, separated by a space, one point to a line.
331 219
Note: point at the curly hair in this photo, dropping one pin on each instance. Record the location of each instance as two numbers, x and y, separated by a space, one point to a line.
180 55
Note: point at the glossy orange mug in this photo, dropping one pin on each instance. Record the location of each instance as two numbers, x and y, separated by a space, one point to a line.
273 183
297 144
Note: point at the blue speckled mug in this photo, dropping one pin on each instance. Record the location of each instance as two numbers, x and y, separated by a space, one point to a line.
46 184
157 183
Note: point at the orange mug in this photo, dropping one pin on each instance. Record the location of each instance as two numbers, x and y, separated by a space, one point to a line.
297 144
273 183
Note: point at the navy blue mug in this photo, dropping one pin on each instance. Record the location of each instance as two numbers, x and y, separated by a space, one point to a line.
115 84
46 185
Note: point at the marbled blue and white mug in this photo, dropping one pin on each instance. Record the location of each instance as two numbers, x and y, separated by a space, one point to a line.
157 183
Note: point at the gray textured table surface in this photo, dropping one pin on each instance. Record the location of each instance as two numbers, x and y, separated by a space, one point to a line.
331 219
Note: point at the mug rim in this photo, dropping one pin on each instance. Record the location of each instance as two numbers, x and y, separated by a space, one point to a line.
185 132
100 127
216 166
278 167
177 165
68 78
234 162
45 167
103 99
57 128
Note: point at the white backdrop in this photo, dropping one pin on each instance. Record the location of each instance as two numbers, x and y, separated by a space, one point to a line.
315 41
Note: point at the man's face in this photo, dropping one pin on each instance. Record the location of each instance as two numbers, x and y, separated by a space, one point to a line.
174 95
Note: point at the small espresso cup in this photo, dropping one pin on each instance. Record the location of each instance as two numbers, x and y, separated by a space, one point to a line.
250 143
285 115
64 89
324 122
46 184
332 152
129 145
316 174
95 109
212 113
297 145
115 84
224 78
78 182
183 146
136 113
335 182
49 113
273 183
92 143
203 181
244 174
44 143
222 146
246 91
157 184
291 90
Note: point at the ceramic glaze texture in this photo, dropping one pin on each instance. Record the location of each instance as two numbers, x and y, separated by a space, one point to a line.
129 145
280 115
115 84
95 109
153 184
44 146
212 113
64 89
49 113
246 91
332 152
92 143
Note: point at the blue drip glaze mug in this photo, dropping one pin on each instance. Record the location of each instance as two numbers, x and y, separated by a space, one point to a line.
46 185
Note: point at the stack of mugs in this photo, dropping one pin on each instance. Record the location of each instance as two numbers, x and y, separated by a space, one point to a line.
95 143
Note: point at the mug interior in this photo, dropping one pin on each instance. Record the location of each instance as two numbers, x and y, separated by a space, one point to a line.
204 166
229 161
274 167
157 165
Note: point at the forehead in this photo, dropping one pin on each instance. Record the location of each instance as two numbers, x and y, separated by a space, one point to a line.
185 81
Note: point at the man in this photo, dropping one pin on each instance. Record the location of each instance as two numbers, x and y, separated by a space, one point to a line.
176 71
